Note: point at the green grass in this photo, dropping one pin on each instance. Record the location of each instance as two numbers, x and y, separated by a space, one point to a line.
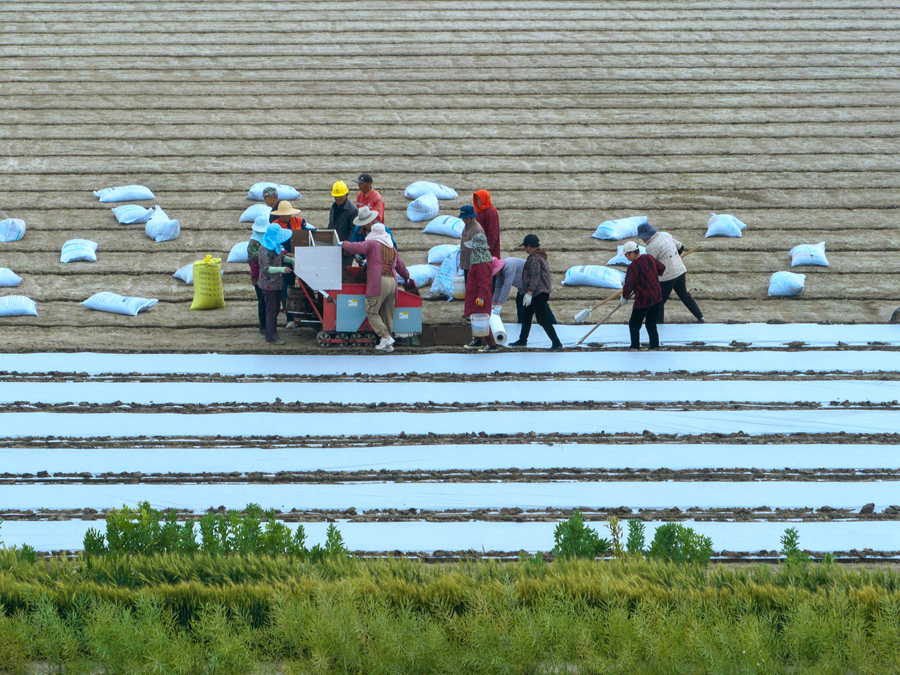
203 613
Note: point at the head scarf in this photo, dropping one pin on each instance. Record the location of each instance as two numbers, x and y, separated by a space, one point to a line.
485 198
271 237
481 252
496 266
379 234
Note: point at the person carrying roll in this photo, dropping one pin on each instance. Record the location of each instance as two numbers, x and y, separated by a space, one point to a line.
479 287
382 260
272 268
667 250
642 279
509 274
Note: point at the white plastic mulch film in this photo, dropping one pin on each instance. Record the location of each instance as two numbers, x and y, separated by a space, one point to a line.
724 225
809 254
79 250
17 305
12 229
624 228
284 191
594 275
425 207
125 193
118 304
238 252
132 214
437 254
251 213
422 274
786 284
447 226
8 278
423 187
620 259
443 282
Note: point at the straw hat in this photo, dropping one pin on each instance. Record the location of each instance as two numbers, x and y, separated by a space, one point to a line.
285 209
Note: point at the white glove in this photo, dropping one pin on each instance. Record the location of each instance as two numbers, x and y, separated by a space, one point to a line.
623 301
527 299
496 309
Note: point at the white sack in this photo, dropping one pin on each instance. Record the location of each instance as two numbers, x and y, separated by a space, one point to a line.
186 274
12 229
17 305
620 259
238 253
437 254
723 225
809 254
443 282
423 187
447 226
76 250
424 208
422 274
251 213
786 283
594 275
160 228
284 191
132 214
499 330
624 228
8 278
126 193
118 304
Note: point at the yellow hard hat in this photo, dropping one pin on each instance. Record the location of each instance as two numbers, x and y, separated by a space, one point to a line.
339 189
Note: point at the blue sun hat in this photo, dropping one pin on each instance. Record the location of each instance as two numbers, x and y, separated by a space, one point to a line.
260 225
274 237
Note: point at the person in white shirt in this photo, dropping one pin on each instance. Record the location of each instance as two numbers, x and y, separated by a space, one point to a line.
667 249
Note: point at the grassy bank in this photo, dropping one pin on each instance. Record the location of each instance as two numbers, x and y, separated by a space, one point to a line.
199 613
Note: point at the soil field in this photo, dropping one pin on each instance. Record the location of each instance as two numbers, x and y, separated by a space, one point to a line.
785 115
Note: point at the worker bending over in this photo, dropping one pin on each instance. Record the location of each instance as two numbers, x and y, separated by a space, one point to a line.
509 274
667 250
642 279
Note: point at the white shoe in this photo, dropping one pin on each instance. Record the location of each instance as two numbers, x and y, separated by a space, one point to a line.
291 324
385 344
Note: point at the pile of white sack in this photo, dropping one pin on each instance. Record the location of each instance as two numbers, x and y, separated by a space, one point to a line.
157 225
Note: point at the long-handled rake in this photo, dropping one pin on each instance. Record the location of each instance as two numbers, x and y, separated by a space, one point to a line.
615 309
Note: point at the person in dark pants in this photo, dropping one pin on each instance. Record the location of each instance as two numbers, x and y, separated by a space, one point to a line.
667 250
536 284
260 225
272 269
642 279
341 215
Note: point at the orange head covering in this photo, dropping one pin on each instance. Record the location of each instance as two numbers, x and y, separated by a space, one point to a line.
485 198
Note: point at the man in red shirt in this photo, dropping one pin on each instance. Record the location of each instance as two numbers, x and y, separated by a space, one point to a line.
642 279
368 196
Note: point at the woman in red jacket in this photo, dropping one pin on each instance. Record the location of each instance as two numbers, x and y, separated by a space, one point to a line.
480 287
489 220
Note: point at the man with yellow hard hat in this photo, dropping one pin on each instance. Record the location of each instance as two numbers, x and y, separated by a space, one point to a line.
341 215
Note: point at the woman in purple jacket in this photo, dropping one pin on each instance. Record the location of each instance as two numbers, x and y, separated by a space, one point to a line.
382 259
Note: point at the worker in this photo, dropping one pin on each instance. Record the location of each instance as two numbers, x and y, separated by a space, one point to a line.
468 216
479 287
382 261
272 268
667 250
489 219
365 219
289 218
341 215
270 197
368 196
536 284
260 225
642 279
508 275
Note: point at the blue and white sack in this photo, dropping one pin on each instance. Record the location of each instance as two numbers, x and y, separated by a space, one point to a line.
251 213
126 193
786 284
132 214
809 254
443 282
12 229
594 275
424 187
8 278
425 207
437 254
421 274
17 305
76 250
118 304
620 258
238 252
447 226
624 228
284 191
724 225
160 228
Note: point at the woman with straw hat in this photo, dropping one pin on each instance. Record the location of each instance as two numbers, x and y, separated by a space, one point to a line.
272 258
382 262
480 287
